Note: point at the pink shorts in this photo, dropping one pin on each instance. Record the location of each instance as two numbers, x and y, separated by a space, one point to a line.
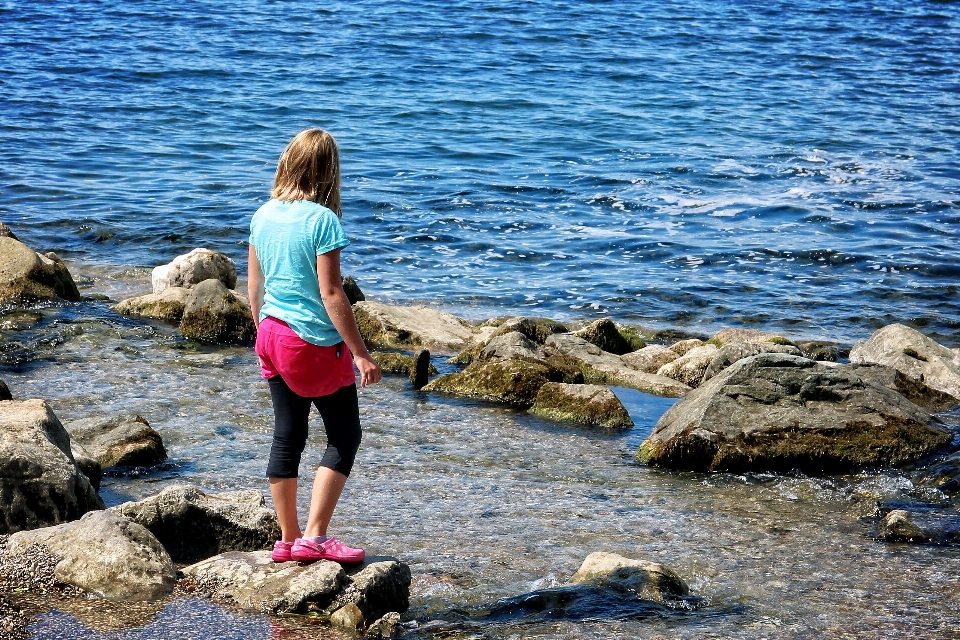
309 370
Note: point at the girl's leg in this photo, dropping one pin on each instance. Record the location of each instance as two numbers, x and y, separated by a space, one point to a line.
291 414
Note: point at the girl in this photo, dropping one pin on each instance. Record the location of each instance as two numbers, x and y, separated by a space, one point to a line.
306 335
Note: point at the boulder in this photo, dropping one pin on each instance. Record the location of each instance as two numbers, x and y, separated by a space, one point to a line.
253 581
352 289
88 464
905 526
510 345
388 626
193 268
40 483
914 355
399 363
104 554
912 389
384 325
605 334
213 313
348 617
779 412
649 580
822 351
513 382
736 351
192 525
691 366
168 305
27 276
584 403
749 336
681 348
535 329
5 391
124 441
535 332
650 358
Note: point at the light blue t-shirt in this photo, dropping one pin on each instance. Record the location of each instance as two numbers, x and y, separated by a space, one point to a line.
288 237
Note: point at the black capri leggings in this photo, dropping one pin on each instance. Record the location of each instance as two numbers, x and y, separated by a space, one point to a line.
341 420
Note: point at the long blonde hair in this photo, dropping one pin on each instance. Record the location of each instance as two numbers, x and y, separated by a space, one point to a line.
309 169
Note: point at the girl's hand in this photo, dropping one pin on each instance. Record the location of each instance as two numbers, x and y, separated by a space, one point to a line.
369 370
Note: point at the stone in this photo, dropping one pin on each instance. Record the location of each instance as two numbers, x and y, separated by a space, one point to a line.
648 383
105 555
40 483
388 626
605 334
913 354
650 358
193 268
749 336
384 325
691 366
822 351
192 525
735 351
779 412
168 305
19 319
88 464
124 441
912 389
352 289
6 232
5 391
649 580
507 346
379 586
213 313
27 276
588 404
513 382
905 526
943 475
420 369
682 347
398 363
535 329
349 617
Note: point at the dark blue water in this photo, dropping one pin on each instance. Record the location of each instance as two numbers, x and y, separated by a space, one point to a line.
791 165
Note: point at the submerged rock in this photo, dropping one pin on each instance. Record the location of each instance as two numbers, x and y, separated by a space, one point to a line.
649 580
584 403
193 268
384 325
779 412
119 442
904 526
40 483
914 355
168 305
605 334
27 276
691 366
192 525
213 313
105 555
650 358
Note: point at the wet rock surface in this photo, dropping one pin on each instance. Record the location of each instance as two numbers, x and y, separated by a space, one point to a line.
778 412
192 525
193 268
587 404
917 392
913 354
119 442
650 580
384 325
919 527
28 276
168 305
213 313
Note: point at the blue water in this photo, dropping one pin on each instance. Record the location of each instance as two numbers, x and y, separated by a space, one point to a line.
790 165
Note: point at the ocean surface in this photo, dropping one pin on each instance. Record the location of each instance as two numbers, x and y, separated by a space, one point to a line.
684 166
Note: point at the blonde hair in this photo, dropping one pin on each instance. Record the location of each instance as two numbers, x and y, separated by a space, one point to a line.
309 169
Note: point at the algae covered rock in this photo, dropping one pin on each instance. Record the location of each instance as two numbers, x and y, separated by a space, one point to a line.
583 403
913 354
650 358
213 313
535 329
27 276
779 412
119 442
193 268
168 305
605 334
649 580
384 325
513 382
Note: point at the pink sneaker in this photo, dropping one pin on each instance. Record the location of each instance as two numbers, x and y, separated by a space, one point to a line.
331 549
281 551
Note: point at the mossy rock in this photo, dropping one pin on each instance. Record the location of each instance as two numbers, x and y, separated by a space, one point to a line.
605 334
397 363
536 329
27 276
168 305
214 313
582 403
513 382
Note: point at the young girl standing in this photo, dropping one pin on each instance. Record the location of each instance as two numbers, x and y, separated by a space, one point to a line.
307 340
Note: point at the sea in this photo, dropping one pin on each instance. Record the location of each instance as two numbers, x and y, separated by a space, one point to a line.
679 167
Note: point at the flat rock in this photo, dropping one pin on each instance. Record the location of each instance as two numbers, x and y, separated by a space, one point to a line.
27 276
40 483
588 404
650 358
119 442
691 366
913 354
104 554
192 525
193 268
650 580
779 412
213 313
384 325
905 526
168 305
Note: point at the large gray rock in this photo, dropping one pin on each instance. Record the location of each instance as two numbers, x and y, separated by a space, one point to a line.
119 442
777 411
168 305
193 268
213 313
40 483
379 586
192 525
649 580
384 325
27 276
105 555
650 358
917 392
736 351
588 404
913 354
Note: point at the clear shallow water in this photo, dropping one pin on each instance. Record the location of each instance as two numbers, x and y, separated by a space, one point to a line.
791 165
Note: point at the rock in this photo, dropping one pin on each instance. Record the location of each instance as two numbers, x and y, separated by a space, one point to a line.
27 276
168 305
822 351
584 403
681 348
106 555
736 351
943 475
651 581
213 313
125 441
379 586
192 525
20 319
605 334
779 412
193 268
650 358
514 382
508 346
399 363
648 383
349 617
749 336
88 464
388 626
420 369
913 354
691 366
352 289
912 389
535 329
6 232
391 326
40 483
904 526
5 391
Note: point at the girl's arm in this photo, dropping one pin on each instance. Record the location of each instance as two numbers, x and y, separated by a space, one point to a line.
341 314
254 285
